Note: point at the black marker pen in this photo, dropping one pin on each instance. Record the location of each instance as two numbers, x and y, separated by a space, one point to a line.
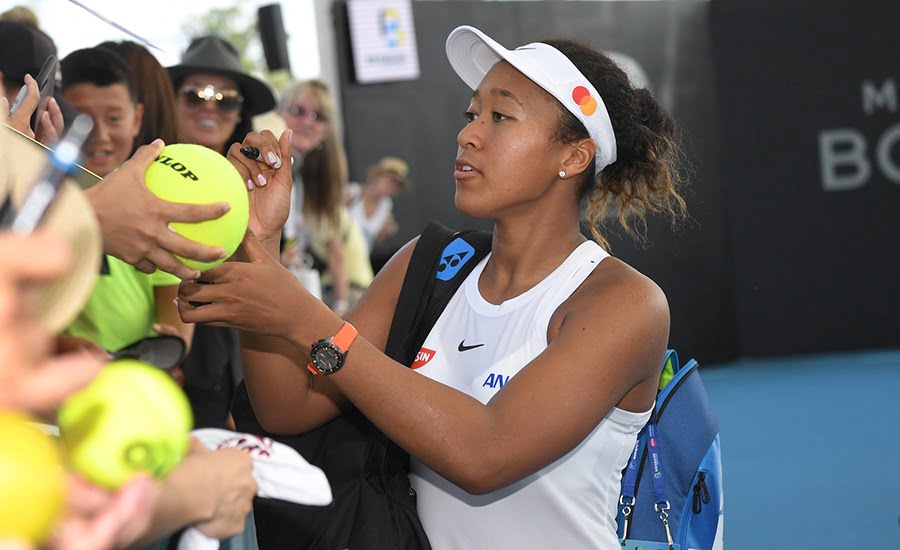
252 153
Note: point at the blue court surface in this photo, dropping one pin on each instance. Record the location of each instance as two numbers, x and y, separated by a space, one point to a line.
810 449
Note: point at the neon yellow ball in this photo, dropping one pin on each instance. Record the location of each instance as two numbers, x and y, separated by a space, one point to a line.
132 418
195 174
32 480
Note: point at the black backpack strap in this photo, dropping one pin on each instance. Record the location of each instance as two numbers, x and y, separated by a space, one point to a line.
445 260
443 290
416 285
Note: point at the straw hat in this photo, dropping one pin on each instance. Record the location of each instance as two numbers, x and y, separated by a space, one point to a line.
21 162
391 166
212 54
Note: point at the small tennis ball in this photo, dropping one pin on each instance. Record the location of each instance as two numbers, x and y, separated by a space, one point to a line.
32 480
132 418
195 174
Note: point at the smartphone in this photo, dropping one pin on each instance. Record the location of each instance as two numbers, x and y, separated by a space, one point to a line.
41 195
46 81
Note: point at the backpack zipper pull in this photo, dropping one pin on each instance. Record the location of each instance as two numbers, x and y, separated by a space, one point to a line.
701 494
704 490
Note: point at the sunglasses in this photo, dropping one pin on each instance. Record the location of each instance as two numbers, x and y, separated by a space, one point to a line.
301 112
227 100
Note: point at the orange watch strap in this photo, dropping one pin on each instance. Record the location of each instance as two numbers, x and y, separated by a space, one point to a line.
345 336
343 339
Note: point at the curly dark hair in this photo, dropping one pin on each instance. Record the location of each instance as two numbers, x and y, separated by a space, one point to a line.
645 176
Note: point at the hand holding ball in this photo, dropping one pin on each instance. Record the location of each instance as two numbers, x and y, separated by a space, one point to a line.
132 418
194 174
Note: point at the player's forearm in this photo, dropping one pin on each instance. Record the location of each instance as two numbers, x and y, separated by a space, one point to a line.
279 386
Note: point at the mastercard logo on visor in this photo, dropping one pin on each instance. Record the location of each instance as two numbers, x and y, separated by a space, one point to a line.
583 98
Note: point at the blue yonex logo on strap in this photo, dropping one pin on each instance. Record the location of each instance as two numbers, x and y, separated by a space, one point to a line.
454 256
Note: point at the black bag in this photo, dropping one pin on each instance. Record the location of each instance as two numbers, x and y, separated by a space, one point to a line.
374 506
212 369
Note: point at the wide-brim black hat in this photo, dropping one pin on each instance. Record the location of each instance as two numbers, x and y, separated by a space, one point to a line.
212 54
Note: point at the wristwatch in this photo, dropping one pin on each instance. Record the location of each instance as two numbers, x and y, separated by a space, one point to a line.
328 355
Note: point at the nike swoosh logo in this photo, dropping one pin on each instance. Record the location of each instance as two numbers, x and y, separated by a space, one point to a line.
464 347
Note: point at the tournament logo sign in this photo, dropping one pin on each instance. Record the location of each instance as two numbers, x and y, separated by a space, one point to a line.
383 40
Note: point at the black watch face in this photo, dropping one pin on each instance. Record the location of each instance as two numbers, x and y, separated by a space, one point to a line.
327 357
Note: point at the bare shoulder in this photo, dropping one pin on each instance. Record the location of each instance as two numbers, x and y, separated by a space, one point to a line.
616 287
621 306
613 279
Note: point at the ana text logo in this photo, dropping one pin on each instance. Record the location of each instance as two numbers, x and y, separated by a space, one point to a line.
495 380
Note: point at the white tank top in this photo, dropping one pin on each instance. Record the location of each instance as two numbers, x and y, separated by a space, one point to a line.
476 347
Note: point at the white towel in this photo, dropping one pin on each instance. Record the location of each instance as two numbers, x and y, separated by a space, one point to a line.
279 470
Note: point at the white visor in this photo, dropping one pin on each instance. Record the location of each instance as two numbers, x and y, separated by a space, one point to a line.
472 54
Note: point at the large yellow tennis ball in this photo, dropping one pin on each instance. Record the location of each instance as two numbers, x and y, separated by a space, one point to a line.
195 174
32 480
132 418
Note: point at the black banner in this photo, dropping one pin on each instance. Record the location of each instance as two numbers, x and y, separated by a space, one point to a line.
810 140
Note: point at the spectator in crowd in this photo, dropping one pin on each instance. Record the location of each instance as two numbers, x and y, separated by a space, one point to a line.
134 221
35 381
215 100
215 97
23 51
157 98
211 491
155 92
126 304
319 224
21 14
371 204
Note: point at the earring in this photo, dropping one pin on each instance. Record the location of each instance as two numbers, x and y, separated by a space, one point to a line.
562 173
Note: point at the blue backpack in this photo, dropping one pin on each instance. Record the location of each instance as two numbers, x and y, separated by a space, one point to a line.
672 495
